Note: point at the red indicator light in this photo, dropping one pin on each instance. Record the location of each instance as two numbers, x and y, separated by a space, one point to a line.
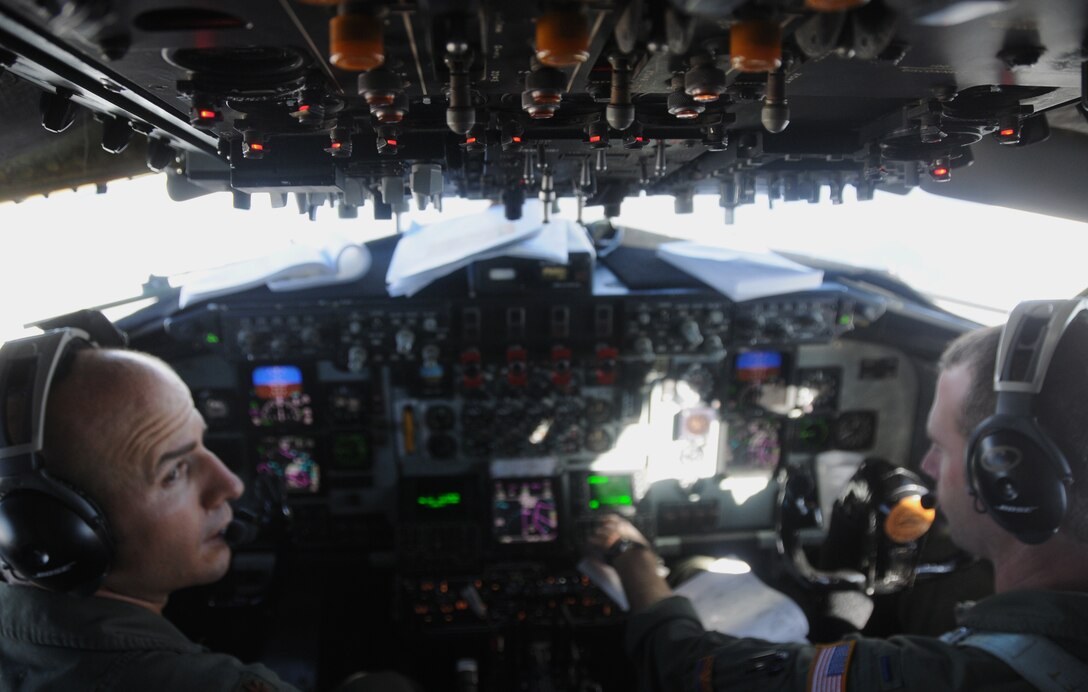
640 138
391 142
515 139
207 114
470 140
256 146
303 108
595 138
1007 132
336 145
940 172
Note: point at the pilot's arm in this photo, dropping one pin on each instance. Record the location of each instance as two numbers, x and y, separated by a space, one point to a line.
672 651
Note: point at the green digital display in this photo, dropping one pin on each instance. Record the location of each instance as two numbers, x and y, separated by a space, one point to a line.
609 491
439 501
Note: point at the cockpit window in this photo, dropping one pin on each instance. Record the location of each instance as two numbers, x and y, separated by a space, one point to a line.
95 249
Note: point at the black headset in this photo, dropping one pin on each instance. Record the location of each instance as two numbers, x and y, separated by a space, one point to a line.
1015 471
51 534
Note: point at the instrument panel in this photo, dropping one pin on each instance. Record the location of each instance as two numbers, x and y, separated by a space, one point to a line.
471 442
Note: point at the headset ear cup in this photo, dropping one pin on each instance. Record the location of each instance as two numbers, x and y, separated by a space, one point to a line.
54 536
1019 476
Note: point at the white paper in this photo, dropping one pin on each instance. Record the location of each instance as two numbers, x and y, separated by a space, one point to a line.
428 253
293 267
440 248
548 244
351 263
741 605
740 275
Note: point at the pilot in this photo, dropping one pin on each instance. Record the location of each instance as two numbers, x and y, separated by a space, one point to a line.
1040 588
122 427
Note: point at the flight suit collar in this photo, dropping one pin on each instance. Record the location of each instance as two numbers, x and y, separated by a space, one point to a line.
1057 615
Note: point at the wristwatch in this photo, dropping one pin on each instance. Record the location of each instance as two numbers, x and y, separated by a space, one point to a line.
620 547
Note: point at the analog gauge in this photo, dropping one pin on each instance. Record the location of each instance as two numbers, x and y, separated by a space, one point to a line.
855 430
598 440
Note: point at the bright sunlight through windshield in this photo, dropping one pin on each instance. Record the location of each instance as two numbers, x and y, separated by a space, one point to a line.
80 249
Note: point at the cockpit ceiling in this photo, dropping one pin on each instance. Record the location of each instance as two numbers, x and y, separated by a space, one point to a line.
357 103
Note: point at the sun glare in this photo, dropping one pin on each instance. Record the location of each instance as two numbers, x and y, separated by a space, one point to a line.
81 249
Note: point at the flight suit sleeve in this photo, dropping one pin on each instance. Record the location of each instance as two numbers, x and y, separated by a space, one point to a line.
672 651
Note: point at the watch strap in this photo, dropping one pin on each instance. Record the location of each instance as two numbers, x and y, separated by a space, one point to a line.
620 547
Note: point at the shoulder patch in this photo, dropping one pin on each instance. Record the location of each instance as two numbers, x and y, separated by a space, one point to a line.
705 674
829 667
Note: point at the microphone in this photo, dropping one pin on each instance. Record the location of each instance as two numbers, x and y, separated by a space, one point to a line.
242 529
260 507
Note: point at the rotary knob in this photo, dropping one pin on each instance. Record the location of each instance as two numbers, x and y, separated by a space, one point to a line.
689 330
357 356
406 341
310 336
245 340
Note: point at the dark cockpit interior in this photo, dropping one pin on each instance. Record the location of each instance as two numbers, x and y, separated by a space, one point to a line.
421 469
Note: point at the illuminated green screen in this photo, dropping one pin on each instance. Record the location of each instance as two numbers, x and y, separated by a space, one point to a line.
439 501
609 491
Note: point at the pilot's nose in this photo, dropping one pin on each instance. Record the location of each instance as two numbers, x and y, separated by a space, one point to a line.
223 484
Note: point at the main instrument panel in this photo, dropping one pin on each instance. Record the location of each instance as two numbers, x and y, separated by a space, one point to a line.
470 442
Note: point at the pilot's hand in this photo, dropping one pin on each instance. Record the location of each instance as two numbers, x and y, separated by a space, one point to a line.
609 529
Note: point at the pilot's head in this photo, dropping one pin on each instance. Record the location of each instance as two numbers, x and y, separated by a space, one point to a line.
965 397
122 427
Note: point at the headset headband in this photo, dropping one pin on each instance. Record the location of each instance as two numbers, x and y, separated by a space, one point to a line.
1028 343
27 369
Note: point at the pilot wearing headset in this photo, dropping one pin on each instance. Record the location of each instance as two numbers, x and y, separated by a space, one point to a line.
1009 452
109 502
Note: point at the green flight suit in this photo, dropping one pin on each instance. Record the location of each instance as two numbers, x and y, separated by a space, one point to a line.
674 652
53 642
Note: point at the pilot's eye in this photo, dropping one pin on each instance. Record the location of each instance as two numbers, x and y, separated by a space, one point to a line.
176 472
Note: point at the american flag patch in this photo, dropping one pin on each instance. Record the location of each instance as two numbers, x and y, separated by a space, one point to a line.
705 674
828 671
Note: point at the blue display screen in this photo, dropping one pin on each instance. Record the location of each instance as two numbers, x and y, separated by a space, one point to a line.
756 366
276 380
